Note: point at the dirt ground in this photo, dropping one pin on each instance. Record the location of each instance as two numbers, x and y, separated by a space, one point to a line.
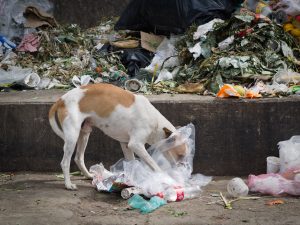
33 199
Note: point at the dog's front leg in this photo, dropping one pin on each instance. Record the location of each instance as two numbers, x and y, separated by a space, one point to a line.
141 151
128 153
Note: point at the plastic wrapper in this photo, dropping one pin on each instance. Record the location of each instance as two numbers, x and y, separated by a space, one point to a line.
137 202
166 55
273 184
174 172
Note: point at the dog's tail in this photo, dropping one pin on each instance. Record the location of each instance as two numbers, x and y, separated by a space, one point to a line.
56 115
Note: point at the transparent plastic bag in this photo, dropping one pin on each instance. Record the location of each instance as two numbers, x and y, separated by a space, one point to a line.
273 184
289 154
166 54
290 7
286 77
175 173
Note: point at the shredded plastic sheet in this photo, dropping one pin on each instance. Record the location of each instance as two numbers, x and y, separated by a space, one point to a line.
137 173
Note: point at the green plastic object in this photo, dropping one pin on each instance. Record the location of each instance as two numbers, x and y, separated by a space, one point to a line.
138 202
296 89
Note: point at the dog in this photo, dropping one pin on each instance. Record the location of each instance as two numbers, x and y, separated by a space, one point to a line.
126 117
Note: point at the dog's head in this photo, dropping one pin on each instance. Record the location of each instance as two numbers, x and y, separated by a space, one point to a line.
177 149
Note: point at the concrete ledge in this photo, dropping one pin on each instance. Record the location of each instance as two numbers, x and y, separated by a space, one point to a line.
233 137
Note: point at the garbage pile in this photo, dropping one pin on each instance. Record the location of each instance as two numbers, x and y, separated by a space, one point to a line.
220 49
282 177
133 178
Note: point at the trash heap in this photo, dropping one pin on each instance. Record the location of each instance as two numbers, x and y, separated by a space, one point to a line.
222 52
174 183
243 50
282 177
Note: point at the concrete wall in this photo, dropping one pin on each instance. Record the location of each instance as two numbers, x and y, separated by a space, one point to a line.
233 137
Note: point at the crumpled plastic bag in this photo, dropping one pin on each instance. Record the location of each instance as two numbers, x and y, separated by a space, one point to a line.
287 180
273 184
83 80
138 202
21 76
173 16
287 77
202 30
290 7
289 154
166 54
238 91
174 173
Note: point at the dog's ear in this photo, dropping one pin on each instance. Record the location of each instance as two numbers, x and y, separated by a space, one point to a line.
167 132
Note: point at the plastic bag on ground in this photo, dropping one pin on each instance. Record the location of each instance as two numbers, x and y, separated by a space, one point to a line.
287 180
273 184
173 16
175 172
138 202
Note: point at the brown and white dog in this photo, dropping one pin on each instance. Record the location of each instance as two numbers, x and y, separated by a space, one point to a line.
130 119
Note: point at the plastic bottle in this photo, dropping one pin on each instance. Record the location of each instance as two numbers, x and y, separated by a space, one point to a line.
176 194
127 193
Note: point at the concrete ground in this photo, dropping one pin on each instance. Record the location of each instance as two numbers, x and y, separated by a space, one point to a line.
41 199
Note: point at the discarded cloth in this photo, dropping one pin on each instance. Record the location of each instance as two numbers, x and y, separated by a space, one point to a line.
29 43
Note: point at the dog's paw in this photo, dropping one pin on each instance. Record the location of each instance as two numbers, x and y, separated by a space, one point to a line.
71 187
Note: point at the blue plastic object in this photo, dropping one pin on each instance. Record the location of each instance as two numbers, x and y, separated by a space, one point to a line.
138 202
7 43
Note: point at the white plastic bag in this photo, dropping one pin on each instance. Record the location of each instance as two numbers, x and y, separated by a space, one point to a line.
290 7
289 154
174 172
273 184
166 53
286 77
22 76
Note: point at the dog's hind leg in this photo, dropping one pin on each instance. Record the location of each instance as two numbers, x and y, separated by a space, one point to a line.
70 142
81 146
128 153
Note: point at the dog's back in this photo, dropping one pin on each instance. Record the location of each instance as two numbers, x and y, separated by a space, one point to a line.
115 111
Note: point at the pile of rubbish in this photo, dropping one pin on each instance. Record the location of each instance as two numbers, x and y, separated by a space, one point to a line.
134 178
282 177
221 48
